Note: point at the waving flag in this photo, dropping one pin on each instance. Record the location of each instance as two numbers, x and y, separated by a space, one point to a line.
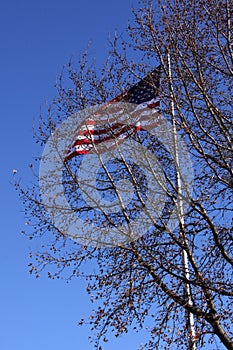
143 97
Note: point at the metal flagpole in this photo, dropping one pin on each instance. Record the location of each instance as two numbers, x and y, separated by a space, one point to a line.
180 209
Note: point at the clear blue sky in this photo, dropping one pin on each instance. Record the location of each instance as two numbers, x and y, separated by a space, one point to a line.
36 39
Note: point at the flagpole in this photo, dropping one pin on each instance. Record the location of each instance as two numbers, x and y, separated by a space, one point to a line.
180 210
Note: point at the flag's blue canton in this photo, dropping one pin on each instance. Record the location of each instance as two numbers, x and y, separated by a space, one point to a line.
145 90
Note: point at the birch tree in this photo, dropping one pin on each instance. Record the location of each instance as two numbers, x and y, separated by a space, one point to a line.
158 204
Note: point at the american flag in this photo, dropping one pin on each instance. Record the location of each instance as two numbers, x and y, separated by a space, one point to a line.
143 97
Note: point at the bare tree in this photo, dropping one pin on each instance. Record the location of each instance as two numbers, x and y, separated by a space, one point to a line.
160 234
